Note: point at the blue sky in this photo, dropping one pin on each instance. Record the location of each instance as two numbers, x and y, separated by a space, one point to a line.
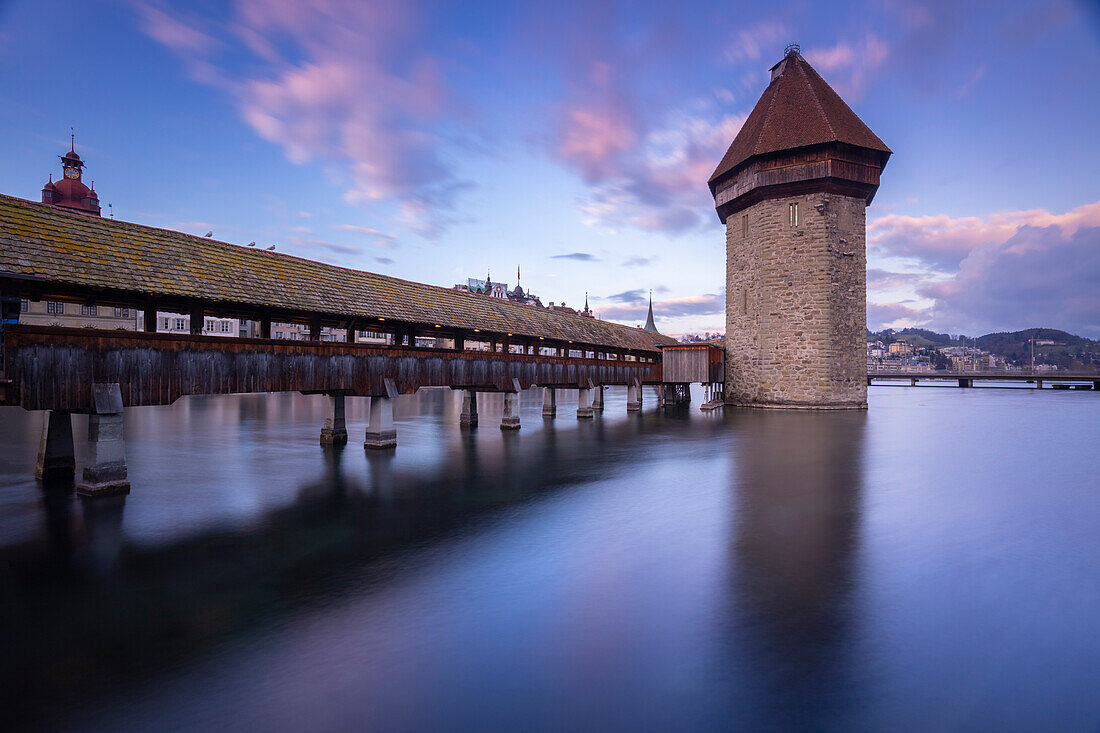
435 141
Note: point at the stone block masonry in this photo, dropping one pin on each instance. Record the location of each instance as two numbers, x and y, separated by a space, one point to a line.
796 303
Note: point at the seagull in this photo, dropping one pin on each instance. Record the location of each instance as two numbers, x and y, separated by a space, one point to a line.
209 234
251 244
271 248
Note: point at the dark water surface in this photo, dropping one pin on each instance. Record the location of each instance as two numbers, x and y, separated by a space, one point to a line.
932 564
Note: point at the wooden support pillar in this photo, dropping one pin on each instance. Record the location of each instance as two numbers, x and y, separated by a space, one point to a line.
335 429
1038 384
198 320
468 417
509 420
460 340
349 333
106 472
381 432
912 381
315 328
56 462
149 315
584 404
265 326
597 398
549 402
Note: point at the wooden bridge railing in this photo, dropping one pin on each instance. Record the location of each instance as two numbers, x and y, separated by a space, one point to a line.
49 368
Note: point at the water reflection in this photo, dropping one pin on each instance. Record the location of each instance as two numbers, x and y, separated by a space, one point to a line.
167 600
662 571
798 483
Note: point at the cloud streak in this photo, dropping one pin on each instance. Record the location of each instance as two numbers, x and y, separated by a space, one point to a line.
343 80
695 305
577 256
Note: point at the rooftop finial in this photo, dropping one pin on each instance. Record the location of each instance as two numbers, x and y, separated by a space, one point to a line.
72 140
792 48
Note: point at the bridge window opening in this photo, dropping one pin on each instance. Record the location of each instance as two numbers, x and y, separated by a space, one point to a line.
794 214
630 357
744 225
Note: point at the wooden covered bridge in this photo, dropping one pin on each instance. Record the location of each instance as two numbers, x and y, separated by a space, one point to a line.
482 344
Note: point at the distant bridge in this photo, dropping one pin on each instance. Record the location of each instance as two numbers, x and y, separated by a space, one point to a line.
1057 380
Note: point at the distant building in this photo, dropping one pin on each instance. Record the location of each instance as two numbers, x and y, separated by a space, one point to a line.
181 323
649 324
900 348
498 290
74 315
70 191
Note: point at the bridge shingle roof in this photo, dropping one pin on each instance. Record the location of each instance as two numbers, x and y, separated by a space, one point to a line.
74 249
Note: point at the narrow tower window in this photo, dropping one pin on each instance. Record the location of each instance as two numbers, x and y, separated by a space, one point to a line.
794 214
744 225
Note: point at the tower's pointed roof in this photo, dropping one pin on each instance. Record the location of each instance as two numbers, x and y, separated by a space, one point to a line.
649 324
797 109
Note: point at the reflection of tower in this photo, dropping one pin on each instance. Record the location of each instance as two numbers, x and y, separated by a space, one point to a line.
792 191
798 483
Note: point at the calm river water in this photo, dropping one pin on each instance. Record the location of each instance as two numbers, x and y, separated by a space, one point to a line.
931 564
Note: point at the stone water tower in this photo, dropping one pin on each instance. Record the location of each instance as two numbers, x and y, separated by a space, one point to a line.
792 191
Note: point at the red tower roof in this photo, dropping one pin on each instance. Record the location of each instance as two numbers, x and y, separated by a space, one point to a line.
797 109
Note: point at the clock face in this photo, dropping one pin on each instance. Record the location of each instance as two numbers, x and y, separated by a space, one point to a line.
72 172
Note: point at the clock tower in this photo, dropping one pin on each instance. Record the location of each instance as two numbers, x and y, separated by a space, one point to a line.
70 190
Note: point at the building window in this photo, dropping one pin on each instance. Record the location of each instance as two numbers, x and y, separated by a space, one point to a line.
164 323
53 306
122 312
794 214
180 324
744 225
89 310
225 326
209 325
24 305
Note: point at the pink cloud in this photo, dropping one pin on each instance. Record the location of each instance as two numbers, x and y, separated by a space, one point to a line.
751 43
593 139
1039 277
849 67
942 241
344 81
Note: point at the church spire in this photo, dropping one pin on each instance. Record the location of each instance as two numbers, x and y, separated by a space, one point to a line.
649 324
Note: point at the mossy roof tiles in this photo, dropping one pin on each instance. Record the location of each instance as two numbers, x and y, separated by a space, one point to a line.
80 250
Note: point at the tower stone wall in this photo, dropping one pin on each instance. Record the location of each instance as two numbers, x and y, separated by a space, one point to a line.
796 303
792 190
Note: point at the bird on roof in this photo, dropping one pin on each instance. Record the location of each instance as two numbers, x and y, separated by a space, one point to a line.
271 248
209 234
252 244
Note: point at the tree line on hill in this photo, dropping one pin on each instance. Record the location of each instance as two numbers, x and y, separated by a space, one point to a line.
1057 348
